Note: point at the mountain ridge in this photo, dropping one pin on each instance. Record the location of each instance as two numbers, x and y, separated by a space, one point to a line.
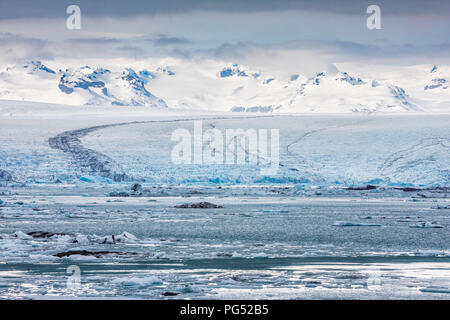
218 87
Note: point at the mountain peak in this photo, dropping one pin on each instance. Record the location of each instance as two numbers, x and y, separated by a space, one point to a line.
236 71
436 79
36 65
101 86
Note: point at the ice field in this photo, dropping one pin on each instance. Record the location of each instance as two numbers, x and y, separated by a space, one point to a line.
359 208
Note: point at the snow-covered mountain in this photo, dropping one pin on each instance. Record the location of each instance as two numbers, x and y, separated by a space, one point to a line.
217 85
436 80
83 86
338 91
101 86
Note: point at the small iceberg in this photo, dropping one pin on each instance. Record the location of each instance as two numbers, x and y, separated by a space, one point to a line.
426 224
22 236
138 282
125 237
439 206
354 224
435 290
260 255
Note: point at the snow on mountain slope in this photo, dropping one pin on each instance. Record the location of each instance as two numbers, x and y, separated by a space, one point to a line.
436 90
101 86
337 91
83 86
437 80
239 89
30 82
426 84
220 86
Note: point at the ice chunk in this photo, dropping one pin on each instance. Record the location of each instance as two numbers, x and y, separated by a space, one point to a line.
63 238
125 237
236 255
108 240
80 257
426 224
138 281
260 255
354 224
22 236
81 239
439 206
435 290
86 179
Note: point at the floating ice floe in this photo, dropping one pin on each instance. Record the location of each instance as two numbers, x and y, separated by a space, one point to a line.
41 257
354 224
439 206
138 281
80 257
435 290
123 237
23 236
63 238
236 255
108 240
426 224
161 255
81 239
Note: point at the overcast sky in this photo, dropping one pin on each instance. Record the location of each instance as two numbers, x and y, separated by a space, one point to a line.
119 8
226 28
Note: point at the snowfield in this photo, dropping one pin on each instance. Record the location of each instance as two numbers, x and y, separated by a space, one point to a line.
223 86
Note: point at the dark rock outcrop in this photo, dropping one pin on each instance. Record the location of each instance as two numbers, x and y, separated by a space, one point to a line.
5 175
368 187
96 254
45 234
200 205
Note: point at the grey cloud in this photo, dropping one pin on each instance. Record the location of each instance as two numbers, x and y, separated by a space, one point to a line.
344 51
18 47
116 8
133 51
101 40
14 47
231 50
159 40
162 41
